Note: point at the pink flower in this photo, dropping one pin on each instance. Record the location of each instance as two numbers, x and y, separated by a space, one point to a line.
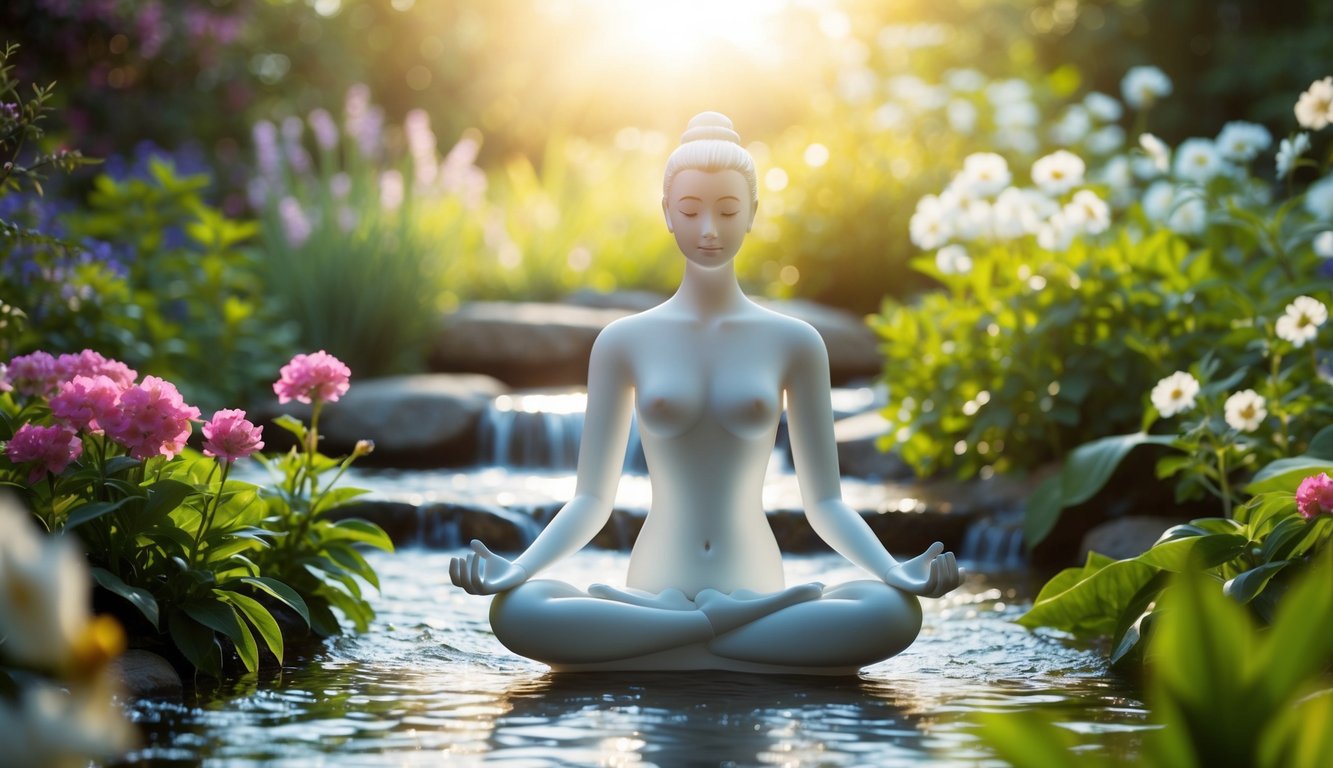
91 363
50 449
87 402
317 376
230 436
1315 496
33 375
151 419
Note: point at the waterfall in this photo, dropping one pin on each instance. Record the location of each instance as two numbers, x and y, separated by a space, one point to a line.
994 542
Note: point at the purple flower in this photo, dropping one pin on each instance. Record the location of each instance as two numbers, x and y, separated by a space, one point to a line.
229 436
1314 497
151 419
85 402
318 376
34 375
49 449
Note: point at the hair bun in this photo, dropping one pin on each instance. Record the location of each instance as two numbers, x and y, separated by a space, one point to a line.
710 126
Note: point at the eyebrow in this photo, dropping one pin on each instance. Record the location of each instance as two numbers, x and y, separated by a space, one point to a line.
683 198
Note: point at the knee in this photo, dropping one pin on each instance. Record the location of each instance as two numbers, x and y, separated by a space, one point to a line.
894 616
522 616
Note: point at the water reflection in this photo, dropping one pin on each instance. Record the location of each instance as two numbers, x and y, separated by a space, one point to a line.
430 685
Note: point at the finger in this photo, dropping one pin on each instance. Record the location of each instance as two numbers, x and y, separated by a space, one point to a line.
476 569
481 549
935 549
454 572
954 578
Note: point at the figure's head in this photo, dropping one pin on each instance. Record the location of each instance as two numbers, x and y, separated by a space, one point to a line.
711 144
709 192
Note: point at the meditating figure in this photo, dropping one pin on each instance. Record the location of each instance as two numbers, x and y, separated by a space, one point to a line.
708 372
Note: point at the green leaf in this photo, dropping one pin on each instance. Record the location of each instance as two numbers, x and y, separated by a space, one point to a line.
1042 511
1286 474
138 597
196 642
1247 585
86 513
258 616
293 425
1321 445
1027 739
362 531
282 592
1283 539
1195 552
221 617
166 495
1093 605
353 561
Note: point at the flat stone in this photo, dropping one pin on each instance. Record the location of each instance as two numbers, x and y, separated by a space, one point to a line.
421 420
525 344
1125 537
146 675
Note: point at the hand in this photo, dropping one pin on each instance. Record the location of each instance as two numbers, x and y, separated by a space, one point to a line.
932 573
485 573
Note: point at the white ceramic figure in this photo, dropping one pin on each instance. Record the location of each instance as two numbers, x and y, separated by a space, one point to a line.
708 373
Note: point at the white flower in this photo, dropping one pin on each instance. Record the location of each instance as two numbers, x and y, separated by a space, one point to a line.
1158 152
1022 140
1242 142
1175 394
1002 92
931 225
1143 86
1058 172
1198 160
1057 233
1314 108
962 116
1245 410
1323 248
964 80
1103 107
1118 176
953 260
45 591
985 174
1159 200
1073 127
1289 151
1105 140
1319 199
1300 323
1088 212
976 220
1189 215
1016 115
1012 215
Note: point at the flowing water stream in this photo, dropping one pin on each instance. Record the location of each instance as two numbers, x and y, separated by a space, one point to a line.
429 685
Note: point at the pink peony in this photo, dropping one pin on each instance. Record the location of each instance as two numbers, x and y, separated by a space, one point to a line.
230 436
90 363
33 375
1315 496
317 376
151 419
86 402
50 449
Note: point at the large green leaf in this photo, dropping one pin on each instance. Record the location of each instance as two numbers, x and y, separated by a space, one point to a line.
166 495
1245 586
282 592
1094 604
197 642
1194 552
258 616
1286 474
362 531
86 513
138 597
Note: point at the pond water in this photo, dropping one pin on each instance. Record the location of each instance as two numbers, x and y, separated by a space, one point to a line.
430 685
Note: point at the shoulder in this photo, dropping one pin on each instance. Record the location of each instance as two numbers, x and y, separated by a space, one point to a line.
792 333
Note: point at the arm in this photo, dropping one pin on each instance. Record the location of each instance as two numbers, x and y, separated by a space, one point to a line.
814 450
601 458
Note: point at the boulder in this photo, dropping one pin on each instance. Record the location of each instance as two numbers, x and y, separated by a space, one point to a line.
524 344
1125 537
858 448
144 674
420 420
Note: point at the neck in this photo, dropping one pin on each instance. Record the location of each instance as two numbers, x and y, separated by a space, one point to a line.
709 291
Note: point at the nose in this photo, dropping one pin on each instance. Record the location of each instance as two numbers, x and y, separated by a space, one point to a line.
709 225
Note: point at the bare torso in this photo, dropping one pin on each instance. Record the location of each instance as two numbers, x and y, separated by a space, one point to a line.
708 398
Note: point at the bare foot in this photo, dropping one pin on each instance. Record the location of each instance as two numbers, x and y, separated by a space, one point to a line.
728 612
668 599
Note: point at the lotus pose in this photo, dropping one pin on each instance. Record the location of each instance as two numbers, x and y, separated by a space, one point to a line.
708 373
